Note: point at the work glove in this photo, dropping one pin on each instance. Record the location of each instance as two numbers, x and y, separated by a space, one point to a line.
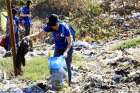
65 54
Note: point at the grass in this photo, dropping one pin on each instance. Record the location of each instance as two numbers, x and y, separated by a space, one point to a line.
36 68
128 43
6 64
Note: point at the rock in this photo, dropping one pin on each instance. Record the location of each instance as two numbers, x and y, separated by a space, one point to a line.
88 52
122 72
76 89
78 48
15 90
40 53
33 89
136 15
96 45
31 54
117 78
134 77
8 54
43 86
82 44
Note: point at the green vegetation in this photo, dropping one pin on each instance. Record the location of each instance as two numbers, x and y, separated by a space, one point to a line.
128 43
36 68
6 64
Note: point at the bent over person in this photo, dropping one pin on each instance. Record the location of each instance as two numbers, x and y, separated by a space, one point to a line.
63 40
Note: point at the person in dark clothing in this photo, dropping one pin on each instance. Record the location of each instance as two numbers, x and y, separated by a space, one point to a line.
63 39
25 17
24 47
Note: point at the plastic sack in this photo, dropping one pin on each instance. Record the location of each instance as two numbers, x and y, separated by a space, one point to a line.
2 51
58 73
33 89
56 62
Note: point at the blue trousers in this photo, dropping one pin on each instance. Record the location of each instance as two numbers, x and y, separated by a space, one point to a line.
8 42
59 52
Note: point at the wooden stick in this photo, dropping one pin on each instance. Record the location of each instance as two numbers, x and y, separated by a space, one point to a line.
12 33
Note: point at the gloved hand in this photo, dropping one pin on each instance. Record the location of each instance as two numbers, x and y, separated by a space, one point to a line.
65 54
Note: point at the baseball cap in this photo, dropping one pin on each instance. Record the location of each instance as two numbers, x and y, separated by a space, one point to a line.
53 20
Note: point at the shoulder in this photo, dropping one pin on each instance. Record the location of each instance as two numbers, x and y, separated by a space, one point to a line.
23 7
46 28
65 28
64 25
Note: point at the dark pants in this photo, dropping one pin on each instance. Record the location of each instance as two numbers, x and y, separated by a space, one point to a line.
59 52
8 41
27 30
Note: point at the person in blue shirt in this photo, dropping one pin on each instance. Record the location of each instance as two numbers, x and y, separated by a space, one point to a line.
16 29
25 17
63 39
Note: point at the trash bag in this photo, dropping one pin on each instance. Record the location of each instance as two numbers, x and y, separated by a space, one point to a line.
14 90
2 51
57 62
33 89
57 67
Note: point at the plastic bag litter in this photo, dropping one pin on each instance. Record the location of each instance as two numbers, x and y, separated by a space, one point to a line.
33 89
56 62
2 51
57 67
15 90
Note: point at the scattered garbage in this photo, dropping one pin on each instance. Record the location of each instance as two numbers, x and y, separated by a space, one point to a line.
15 90
33 89
136 15
2 51
81 44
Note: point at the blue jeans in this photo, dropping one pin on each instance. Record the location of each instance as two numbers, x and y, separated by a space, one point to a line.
59 52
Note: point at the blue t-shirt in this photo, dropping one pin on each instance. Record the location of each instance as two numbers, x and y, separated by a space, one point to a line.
16 23
25 20
59 35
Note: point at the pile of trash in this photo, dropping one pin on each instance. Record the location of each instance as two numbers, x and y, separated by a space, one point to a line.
38 88
116 71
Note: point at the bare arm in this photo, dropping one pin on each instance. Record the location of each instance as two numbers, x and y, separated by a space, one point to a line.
69 40
37 34
25 15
